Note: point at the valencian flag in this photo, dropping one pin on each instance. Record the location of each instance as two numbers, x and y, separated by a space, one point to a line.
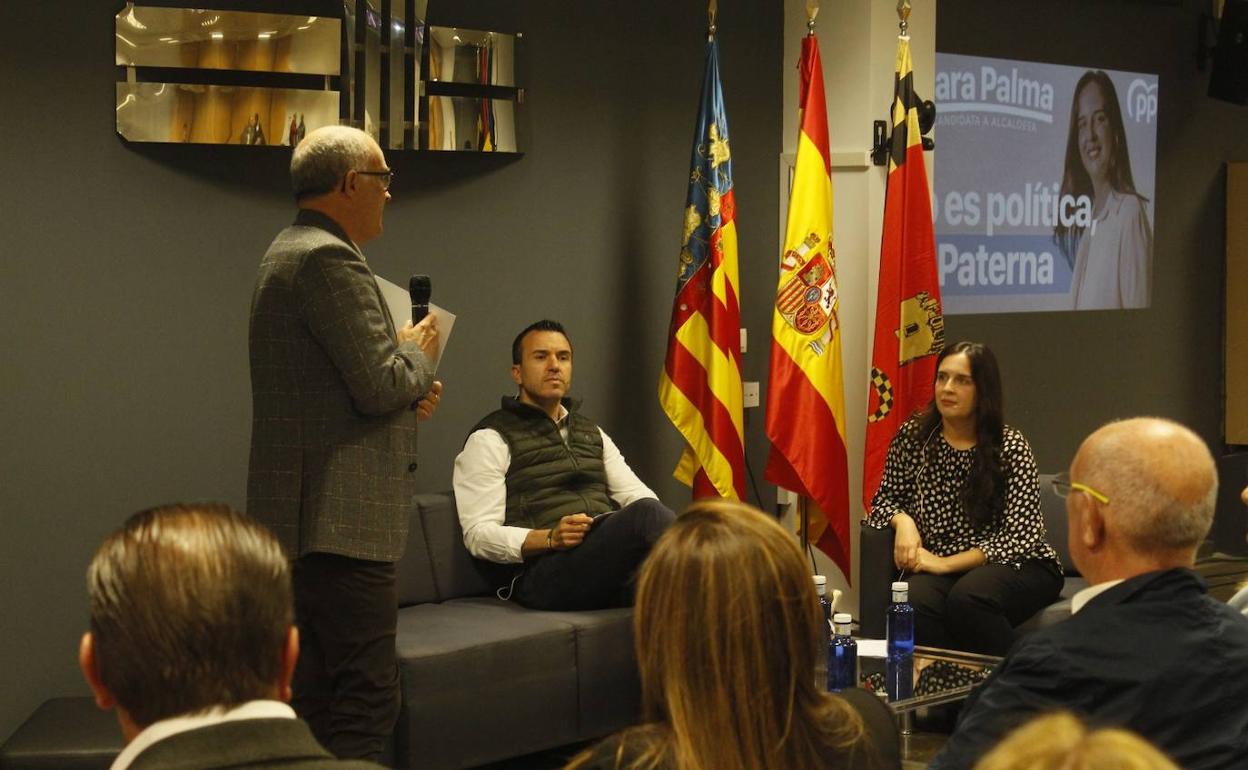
909 326
700 388
806 392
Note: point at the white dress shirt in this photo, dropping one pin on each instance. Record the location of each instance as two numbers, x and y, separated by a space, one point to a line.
1088 594
165 728
1113 263
480 482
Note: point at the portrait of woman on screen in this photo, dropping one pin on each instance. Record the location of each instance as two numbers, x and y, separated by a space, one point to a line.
1110 260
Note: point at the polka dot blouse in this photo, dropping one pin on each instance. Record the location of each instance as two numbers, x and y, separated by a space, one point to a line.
930 492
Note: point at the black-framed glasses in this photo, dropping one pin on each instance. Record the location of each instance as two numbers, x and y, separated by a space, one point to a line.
1062 486
385 177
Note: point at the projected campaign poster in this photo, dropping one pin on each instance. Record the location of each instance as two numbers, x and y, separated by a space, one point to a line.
1043 186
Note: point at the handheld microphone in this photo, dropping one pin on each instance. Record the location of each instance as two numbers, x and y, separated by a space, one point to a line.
420 288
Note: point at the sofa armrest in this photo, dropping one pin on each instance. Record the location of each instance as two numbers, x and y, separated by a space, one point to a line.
875 577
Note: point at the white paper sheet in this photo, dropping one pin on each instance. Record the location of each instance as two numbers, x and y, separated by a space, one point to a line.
400 303
872 648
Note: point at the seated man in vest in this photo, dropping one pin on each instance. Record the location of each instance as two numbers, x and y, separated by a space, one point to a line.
1146 647
193 642
540 486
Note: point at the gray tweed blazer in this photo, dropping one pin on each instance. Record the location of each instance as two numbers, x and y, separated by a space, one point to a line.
333 432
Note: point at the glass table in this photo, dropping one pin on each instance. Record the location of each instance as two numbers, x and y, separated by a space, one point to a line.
937 677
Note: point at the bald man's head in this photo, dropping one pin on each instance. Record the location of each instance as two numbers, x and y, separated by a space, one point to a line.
1160 480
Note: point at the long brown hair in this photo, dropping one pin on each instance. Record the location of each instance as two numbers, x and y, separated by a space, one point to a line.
727 630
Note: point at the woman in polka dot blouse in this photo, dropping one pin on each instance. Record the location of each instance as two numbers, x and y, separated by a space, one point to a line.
960 490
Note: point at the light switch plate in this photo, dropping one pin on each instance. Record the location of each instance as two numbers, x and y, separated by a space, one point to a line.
749 394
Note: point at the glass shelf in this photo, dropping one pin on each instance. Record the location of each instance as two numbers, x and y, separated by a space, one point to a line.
200 76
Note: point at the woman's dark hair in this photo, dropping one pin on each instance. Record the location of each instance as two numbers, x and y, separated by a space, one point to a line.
1075 179
983 496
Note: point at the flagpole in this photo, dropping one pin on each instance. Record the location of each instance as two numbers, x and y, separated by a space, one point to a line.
712 11
803 502
903 14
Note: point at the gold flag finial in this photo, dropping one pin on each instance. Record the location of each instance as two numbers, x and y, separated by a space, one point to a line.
712 11
903 13
812 10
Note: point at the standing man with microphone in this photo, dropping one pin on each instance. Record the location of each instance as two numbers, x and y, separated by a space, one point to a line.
336 395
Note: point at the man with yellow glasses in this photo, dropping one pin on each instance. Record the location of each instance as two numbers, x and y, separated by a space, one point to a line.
1146 648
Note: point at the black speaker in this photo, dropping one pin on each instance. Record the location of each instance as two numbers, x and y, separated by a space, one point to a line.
1229 80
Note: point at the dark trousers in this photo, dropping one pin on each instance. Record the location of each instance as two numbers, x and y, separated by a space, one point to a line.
976 611
601 571
346 684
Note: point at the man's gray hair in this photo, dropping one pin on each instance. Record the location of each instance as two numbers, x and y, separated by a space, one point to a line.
1163 486
324 157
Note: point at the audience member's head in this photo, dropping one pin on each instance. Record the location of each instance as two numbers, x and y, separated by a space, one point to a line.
727 629
1142 498
1059 741
190 609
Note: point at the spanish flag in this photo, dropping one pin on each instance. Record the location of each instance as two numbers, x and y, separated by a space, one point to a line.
700 387
806 392
909 324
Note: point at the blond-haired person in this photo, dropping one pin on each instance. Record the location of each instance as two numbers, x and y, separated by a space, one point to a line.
727 630
1059 741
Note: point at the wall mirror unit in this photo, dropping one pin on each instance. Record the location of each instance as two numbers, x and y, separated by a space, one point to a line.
244 76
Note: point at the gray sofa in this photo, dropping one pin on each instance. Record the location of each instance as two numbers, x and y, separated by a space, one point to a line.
876 571
485 680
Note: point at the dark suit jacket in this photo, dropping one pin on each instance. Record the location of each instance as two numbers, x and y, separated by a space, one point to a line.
333 437
1153 654
244 743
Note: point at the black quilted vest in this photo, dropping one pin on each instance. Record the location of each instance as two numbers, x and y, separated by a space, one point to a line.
548 479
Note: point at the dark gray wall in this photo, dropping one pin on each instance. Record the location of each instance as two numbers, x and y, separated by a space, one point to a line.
1066 373
127 272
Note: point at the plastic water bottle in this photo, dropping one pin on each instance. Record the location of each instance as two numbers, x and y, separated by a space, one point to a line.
821 588
899 667
842 655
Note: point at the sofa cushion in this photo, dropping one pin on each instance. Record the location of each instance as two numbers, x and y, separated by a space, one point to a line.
608 684
413 572
66 734
481 683
437 566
